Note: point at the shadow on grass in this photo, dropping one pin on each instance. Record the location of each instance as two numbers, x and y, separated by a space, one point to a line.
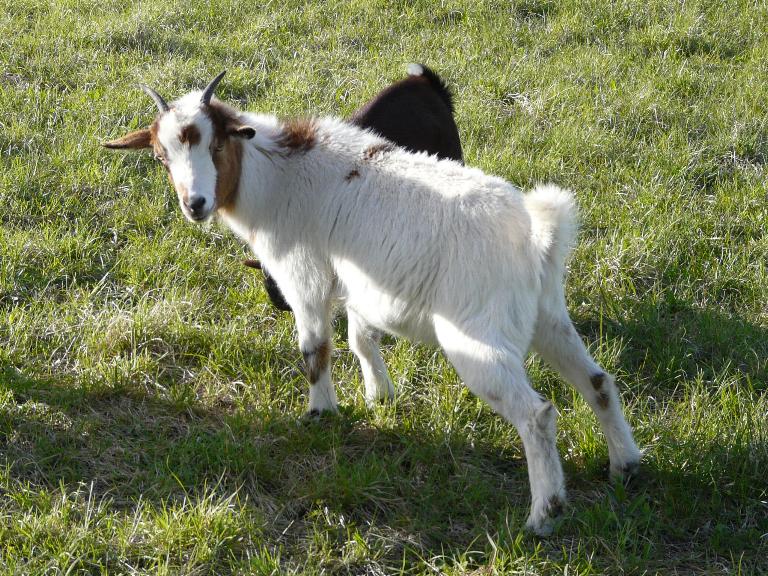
672 338
436 491
700 485
431 493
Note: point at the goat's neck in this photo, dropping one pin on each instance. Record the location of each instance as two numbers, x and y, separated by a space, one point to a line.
259 174
282 190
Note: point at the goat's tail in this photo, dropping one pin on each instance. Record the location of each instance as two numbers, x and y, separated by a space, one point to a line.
553 224
437 83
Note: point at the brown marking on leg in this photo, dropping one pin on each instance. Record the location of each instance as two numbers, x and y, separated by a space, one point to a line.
299 135
597 380
316 361
189 134
352 175
603 400
373 151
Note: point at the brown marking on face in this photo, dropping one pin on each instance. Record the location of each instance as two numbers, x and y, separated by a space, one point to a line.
157 148
160 154
228 163
316 361
189 135
597 380
226 152
352 175
377 149
603 400
299 135
223 118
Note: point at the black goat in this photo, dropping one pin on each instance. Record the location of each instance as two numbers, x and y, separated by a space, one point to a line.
415 113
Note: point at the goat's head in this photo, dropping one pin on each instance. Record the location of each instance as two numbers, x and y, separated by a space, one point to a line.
199 143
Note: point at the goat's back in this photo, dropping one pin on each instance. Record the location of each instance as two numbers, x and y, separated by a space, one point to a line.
423 229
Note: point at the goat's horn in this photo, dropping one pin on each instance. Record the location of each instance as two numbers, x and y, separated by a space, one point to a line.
162 105
208 92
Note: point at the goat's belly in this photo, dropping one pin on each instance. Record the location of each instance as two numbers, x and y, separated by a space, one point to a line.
385 303
393 316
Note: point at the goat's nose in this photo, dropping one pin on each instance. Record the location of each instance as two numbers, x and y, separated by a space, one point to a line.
196 205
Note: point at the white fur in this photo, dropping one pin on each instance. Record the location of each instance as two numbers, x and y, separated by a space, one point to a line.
191 167
415 69
426 249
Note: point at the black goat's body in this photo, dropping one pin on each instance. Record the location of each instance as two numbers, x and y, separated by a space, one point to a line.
415 113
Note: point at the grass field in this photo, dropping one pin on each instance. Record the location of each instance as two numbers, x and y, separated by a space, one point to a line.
151 399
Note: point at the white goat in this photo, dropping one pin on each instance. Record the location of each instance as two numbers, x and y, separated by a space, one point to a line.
423 248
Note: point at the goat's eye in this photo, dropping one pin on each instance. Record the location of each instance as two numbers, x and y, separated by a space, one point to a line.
218 147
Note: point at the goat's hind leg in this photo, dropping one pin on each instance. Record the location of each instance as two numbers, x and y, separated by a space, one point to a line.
558 343
496 375
364 342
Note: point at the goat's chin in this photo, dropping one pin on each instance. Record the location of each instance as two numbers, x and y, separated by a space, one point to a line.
199 220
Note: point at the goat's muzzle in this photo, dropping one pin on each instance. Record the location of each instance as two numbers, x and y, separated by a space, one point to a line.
198 208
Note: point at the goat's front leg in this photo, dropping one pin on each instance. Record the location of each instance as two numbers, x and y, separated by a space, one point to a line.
316 344
364 342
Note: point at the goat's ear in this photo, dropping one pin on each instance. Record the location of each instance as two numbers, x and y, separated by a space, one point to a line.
132 140
246 132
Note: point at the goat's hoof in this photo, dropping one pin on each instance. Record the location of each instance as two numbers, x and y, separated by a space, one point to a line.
315 414
541 527
311 416
382 399
542 522
625 472
379 391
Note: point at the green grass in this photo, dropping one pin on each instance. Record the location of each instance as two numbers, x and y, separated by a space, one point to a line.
151 399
